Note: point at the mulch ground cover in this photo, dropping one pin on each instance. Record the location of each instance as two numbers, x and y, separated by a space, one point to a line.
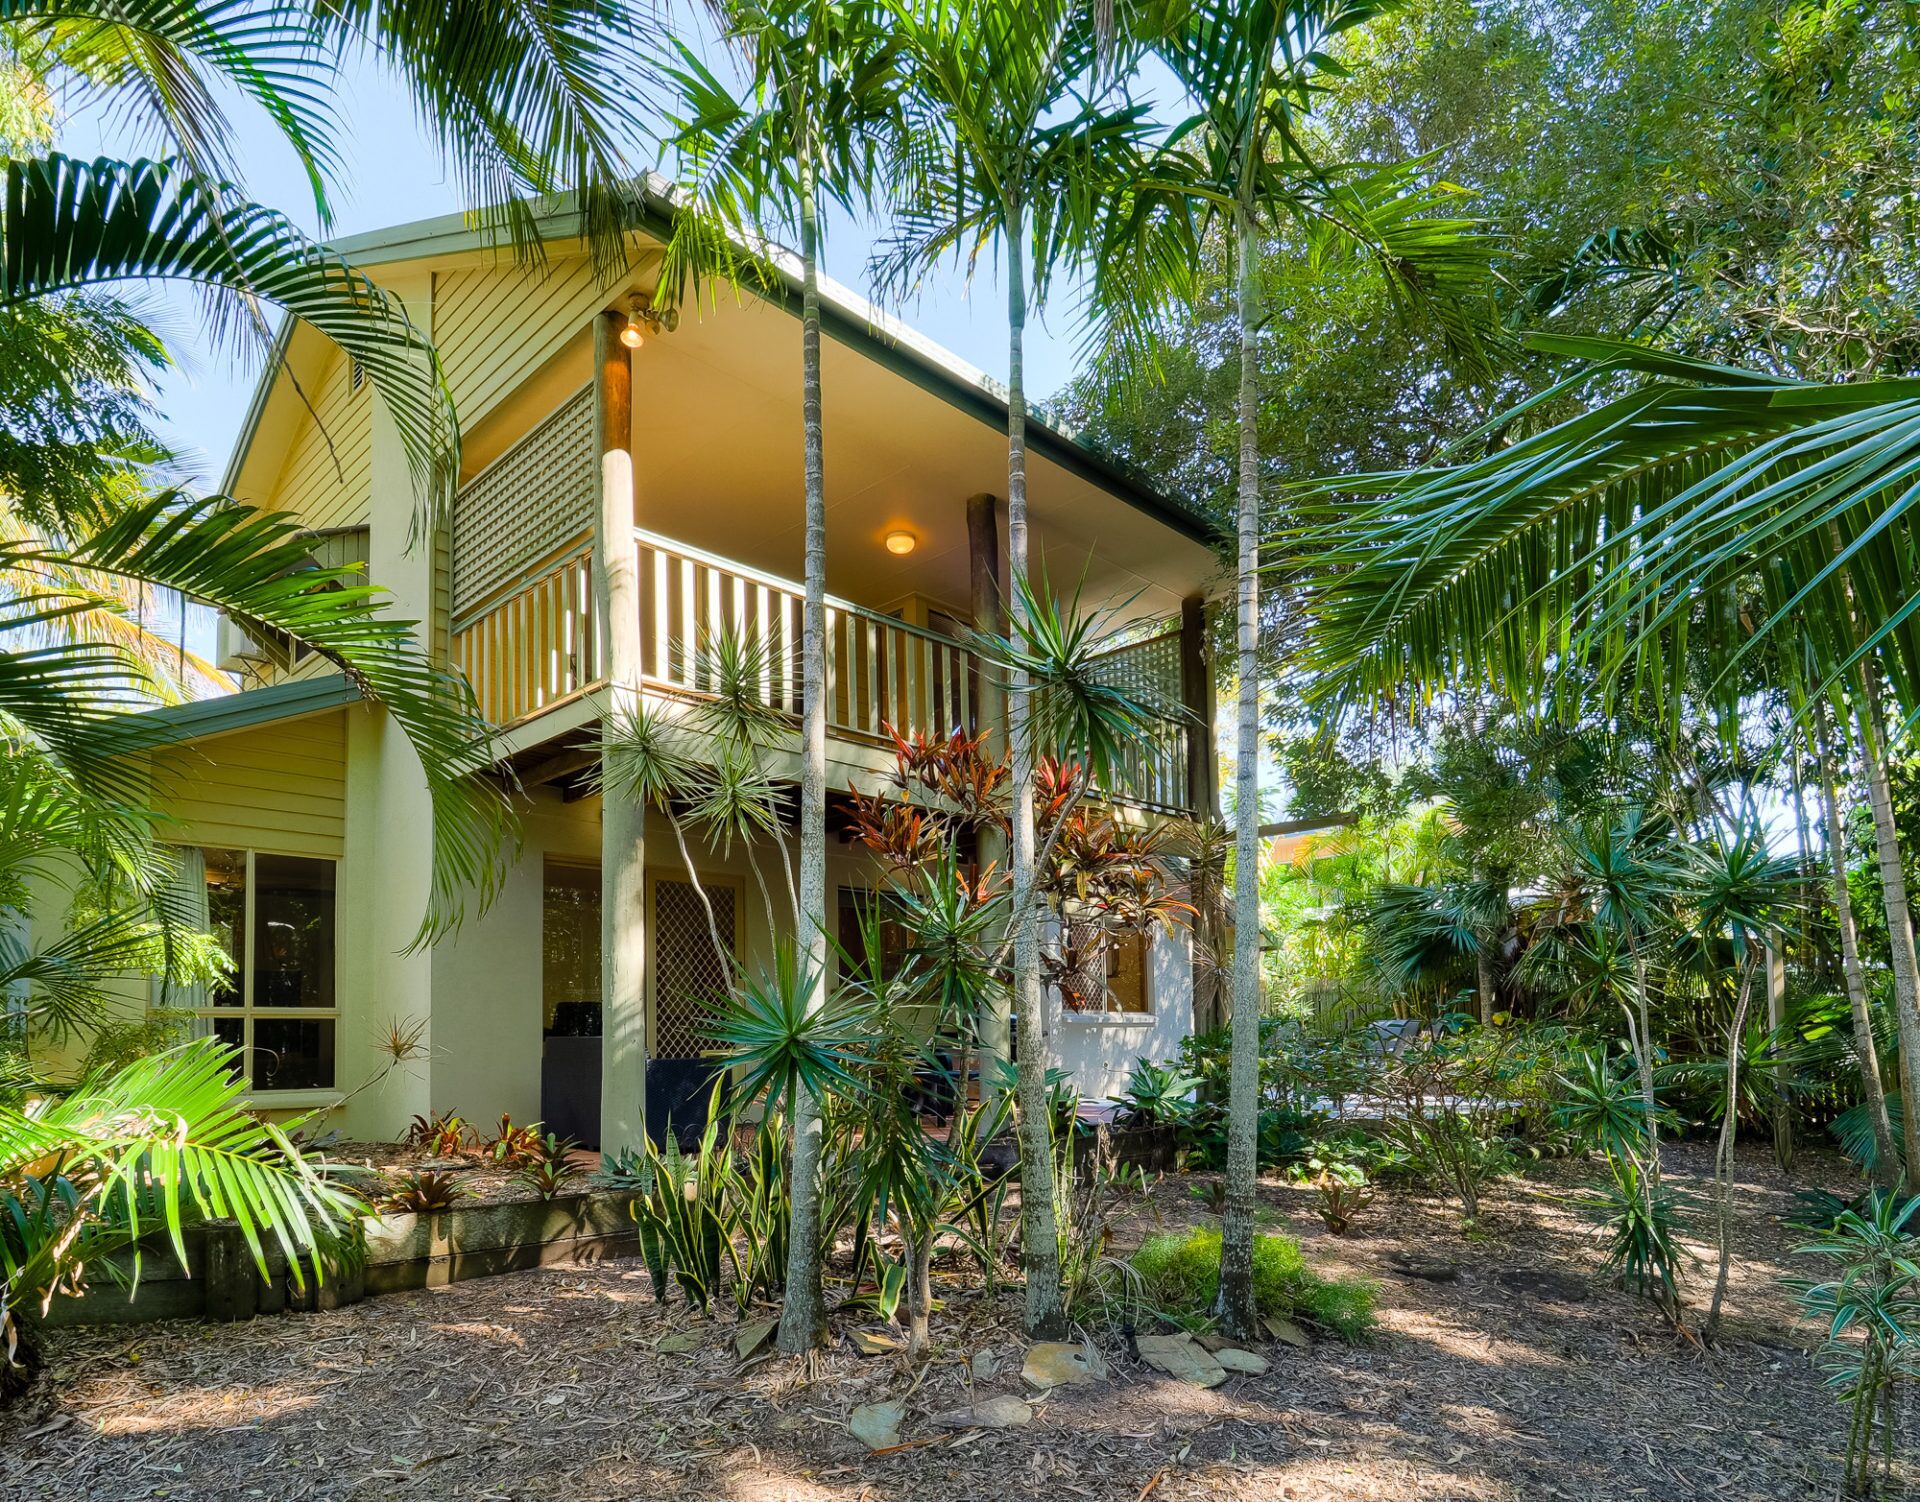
1504 1370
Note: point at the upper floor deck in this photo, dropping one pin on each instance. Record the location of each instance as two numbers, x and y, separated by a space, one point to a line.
915 442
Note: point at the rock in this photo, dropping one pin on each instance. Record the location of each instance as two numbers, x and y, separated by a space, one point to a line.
754 1334
1236 1360
1002 1412
1183 1357
985 1365
1054 1363
872 1342
877 1425
680 1344
1287 1332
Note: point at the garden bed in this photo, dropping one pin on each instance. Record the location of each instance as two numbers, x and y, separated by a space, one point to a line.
404 1250
1518 1377
382 1166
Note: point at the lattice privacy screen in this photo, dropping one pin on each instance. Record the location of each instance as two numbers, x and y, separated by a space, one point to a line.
1149 672
536 496
687 973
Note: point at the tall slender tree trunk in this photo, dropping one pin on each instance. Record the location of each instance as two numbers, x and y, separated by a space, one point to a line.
1045 1313
1483 982
1643 1060
1906 967
1886 1168
803 1315
1238 1316
1723 1156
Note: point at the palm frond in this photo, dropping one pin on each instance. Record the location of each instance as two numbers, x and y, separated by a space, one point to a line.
72 225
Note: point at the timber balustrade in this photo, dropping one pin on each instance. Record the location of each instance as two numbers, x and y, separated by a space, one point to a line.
532 645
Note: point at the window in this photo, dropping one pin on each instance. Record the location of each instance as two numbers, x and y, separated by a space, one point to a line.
688 974
1105 971
275 917
896 943
570 950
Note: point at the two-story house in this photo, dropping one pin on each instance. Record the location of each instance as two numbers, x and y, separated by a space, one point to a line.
304 810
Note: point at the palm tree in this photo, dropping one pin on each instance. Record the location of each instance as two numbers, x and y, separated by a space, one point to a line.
126 1155
818 121
1016 145
1738 890
1886 1160
534 98
1237 167
1593 546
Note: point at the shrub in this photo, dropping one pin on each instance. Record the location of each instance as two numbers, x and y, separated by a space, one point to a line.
1182 1274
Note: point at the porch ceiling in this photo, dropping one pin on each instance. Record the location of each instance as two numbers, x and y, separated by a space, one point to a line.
718 460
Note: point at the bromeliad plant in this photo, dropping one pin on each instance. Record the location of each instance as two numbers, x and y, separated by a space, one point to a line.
443 1136
425 1193
1157 1095
550 1170
148 1149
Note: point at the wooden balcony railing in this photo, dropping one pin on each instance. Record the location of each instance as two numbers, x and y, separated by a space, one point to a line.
533 646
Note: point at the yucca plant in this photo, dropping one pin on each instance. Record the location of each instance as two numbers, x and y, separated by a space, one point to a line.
141 1153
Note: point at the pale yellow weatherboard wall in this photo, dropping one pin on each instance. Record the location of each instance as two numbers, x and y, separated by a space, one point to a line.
281 788
326 479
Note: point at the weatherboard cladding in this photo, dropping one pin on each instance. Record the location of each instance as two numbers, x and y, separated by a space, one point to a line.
279 787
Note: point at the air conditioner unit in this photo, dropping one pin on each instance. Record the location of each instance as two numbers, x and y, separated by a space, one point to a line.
234 651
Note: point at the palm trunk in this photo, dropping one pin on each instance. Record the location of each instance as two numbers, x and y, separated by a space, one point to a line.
1238 1316
1886 1168
1906 968
1723 1156
1045 1314
919 1255
803 1315
1483 979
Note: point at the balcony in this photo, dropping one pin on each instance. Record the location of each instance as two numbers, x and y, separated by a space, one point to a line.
531 647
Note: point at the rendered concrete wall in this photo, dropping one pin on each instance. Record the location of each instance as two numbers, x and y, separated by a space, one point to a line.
1100 1048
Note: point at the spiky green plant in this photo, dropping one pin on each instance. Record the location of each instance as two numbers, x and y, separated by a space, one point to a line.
1870 1312
148 1149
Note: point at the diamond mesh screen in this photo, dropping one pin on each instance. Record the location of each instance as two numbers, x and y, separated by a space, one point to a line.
687 974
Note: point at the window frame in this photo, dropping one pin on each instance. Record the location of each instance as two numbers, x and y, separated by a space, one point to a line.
244 1009
1109 1015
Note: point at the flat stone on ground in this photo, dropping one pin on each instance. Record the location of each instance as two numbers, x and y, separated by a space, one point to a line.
1183 1357
1002 1412
1055 1363
679 1343
1287 1332
985 1365
1236 1360
877 1425
754 1334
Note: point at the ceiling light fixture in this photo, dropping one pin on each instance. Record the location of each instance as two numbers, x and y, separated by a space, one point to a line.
901 542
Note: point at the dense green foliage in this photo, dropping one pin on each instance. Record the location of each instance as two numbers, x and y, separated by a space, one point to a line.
1181 1275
